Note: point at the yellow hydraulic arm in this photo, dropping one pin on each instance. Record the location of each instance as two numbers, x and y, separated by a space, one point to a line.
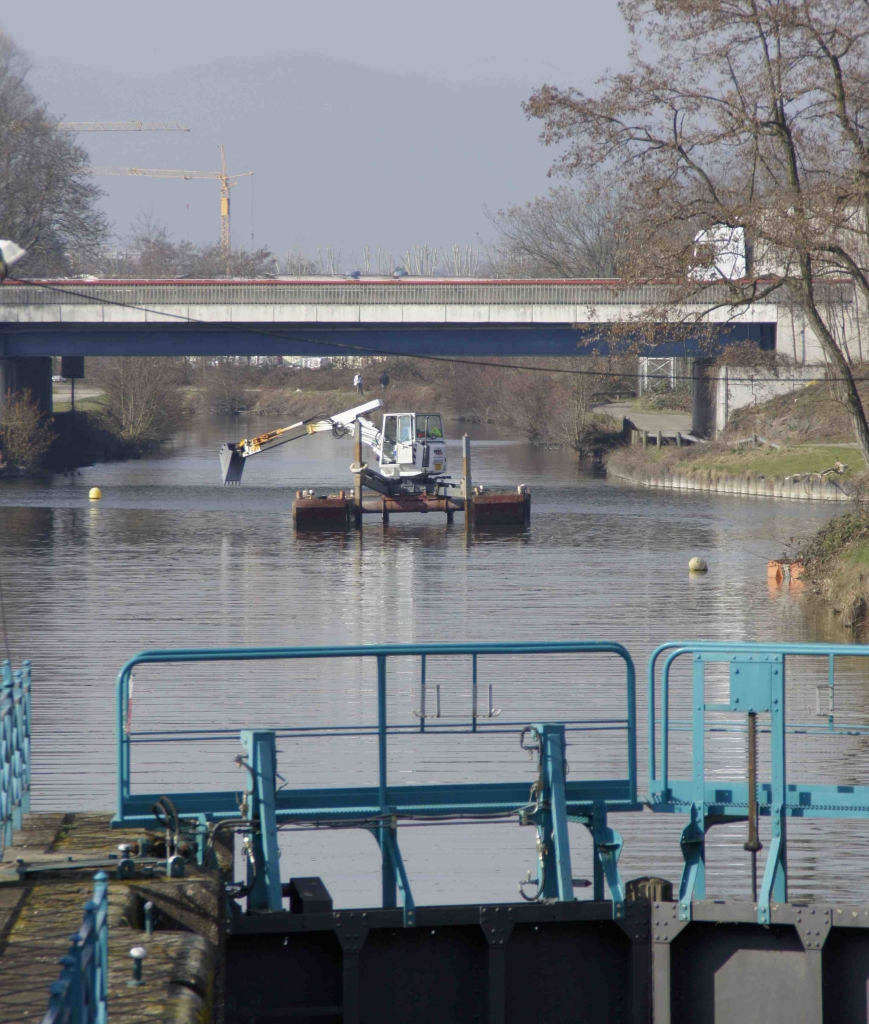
232 456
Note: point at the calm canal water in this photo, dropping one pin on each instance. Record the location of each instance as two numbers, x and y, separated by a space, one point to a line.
171 558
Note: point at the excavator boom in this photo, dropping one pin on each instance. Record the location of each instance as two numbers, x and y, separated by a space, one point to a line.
233 455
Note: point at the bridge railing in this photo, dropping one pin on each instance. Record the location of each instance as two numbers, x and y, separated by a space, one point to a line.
354 293
380 808
756 687
80 995
14 749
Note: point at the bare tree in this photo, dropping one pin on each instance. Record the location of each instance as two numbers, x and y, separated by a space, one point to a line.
751 114
142 395
150 252
47 199
571 232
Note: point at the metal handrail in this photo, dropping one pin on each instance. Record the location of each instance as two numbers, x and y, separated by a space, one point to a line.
757 686
80 995
209 805
14 749
583 294
681 648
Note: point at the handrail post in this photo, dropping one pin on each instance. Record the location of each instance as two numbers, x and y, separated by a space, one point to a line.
388 872
18 766
422 693
123 740
101 982
7 753
473 693
26 730
632 729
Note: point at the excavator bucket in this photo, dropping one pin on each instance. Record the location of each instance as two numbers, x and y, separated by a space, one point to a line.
231 464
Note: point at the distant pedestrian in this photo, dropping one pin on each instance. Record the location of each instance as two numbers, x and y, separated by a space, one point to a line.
384 381
357 383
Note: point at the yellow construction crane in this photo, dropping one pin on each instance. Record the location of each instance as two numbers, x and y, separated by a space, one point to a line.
121 126
226 183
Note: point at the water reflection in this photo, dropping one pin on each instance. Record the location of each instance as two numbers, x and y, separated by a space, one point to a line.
171 558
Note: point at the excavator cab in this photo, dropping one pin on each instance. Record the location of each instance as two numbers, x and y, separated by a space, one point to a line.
412 445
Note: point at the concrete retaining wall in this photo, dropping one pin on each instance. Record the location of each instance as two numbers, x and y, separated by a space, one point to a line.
811 489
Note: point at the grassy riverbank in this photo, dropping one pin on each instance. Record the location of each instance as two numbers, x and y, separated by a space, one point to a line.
724 458
837 565
810 427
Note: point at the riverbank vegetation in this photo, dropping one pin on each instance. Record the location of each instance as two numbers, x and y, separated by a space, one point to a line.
142 397
25 435
836 563
554 405
811 428
725 458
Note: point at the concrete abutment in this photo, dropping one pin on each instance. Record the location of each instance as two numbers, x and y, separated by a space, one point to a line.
27 373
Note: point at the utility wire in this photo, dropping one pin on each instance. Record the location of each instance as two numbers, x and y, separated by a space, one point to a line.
365 350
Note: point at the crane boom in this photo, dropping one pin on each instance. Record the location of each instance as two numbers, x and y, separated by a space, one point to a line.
160 172
227 181
121 126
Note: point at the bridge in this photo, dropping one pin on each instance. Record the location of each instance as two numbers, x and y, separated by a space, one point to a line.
348 317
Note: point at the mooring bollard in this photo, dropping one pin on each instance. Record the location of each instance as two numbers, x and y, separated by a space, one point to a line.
149 918
138 953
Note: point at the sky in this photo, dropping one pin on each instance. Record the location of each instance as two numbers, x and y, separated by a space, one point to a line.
566 41
367 125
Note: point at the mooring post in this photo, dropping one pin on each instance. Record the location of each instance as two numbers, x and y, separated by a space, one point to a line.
659 439
467 484
644 435
357 483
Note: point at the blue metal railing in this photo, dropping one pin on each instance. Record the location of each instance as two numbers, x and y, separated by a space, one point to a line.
757 686
305 804
14 749
80 995
378 808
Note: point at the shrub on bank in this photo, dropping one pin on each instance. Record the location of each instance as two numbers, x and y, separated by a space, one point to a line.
837 564
25 434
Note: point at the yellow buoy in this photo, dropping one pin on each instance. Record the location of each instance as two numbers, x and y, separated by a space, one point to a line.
697 565
95 494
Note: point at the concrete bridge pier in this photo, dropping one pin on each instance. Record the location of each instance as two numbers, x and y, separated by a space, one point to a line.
27 373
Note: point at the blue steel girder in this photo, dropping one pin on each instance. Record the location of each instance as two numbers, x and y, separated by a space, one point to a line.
156 338
549 814
263 862
362 803
394 875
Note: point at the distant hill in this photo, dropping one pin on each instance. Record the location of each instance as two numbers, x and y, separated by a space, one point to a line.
345 156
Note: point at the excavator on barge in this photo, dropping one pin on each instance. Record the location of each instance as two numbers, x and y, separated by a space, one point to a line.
410 448
408 470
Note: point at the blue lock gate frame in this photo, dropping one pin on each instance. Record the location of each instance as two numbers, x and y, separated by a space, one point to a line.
379 809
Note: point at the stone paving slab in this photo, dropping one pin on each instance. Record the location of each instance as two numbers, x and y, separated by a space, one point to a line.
38 915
